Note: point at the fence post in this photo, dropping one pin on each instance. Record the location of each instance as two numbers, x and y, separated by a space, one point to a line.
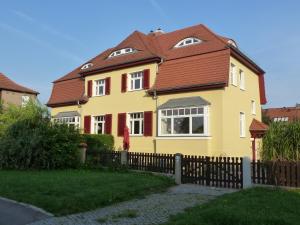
247 181
178 158
82 152
124 158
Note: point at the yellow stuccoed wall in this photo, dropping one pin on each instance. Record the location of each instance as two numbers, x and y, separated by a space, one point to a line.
223 139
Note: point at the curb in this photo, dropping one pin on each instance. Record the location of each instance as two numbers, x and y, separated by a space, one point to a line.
27 206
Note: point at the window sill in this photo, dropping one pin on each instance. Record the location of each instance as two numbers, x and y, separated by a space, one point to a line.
242 89
98 95
136 135
136 90
183 138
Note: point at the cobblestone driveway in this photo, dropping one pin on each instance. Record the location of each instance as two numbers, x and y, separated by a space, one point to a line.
153 209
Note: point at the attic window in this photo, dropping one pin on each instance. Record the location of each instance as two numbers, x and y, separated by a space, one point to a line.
188 41
121 52
87 66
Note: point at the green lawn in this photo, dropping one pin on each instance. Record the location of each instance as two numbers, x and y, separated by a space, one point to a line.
70 191
257 206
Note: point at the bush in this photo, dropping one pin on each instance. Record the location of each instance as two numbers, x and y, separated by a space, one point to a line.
31 141
282 141
98 142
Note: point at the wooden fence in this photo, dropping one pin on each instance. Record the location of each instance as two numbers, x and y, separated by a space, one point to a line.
162 163
281 173
212 171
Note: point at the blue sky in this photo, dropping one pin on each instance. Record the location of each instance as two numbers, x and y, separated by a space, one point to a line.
41 41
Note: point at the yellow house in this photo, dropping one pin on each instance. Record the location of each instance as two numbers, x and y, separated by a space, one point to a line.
189 91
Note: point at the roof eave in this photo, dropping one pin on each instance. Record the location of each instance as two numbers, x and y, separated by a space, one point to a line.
189 88
60 104
120 66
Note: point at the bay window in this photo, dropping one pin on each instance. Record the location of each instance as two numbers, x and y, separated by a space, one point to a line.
188 121
70 121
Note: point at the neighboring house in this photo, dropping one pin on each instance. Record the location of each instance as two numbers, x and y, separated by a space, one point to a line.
189 91
13 93
284 114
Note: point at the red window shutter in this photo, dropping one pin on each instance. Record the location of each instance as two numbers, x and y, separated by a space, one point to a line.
121 123
90 88
146 83
148 120
124 83
87 124
107 86
108 122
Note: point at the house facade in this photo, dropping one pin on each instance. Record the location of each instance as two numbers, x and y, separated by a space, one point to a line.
13 93
190 91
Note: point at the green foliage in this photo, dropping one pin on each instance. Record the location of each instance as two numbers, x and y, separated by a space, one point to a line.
29 140
248 207
282 141
265 119
98 142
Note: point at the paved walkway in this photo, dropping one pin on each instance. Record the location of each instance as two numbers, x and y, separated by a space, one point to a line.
153 209
14 213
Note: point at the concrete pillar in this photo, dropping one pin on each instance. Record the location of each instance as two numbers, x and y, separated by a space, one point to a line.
124 158
82 152
247 181
178 158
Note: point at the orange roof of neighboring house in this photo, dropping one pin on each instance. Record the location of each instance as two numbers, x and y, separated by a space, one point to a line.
8 84
293 113
207 64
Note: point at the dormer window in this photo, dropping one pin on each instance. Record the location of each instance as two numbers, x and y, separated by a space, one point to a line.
87 66
188 41
122 52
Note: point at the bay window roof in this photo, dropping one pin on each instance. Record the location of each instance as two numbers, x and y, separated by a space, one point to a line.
184 102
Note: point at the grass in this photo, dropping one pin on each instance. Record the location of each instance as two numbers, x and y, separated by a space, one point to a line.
71 191
249 207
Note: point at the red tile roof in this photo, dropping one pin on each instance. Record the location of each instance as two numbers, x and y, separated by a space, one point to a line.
8 84
258 126
207 63
293 113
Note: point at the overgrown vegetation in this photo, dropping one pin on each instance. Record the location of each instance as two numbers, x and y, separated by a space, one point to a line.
282 141
248 207
96 142
29 140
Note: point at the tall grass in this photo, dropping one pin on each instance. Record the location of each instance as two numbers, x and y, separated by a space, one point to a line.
282 141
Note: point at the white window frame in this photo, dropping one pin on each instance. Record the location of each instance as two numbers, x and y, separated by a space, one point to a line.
68 120
96 122
122 52
139 75
242 80
253 107
205 116
131 121
242 125
187 41
97 85
233 75
25 99
87 66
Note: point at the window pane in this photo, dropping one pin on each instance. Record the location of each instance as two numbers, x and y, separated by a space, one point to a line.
175 112
197 125
200 110
181 111
187 111
163 113
194 111
181 125
166 126
136 128
169 113
100 128
137 84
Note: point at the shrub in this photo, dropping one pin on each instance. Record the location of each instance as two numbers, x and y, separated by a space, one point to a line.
31 141
98 142
282 141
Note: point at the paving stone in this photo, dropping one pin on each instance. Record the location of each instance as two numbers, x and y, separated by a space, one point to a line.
153 209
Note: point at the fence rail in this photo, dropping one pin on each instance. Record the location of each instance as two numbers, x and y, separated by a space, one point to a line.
163 163
281 173
213 171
